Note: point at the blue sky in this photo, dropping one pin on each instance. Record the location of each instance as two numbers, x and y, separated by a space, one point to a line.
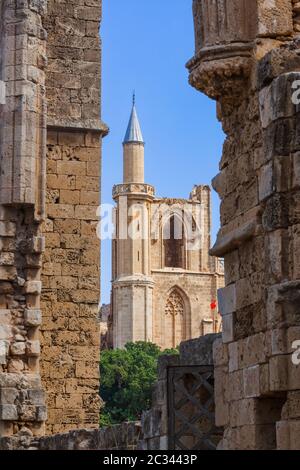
146 44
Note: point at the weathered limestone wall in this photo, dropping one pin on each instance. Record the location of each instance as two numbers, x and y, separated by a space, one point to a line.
22 195
23 116
250 69
71 277
151 300
133 163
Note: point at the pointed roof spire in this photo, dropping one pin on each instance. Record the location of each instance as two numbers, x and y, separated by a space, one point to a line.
133 133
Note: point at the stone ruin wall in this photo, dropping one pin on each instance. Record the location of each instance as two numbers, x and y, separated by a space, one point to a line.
49 193
247 59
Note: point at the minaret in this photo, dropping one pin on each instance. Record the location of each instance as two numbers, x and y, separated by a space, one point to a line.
132 284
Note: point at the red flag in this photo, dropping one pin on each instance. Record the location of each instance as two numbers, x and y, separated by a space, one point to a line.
213 305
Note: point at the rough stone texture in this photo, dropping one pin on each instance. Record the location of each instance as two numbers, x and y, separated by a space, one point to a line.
155 426
162 286
106 340
250 68
70 276
124 436
22 195
50 140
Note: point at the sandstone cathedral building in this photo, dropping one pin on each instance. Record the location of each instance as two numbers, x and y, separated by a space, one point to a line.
164 283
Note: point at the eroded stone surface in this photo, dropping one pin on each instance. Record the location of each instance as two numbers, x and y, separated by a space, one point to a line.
255 84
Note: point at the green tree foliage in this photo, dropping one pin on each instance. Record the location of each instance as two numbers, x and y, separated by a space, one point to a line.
127 377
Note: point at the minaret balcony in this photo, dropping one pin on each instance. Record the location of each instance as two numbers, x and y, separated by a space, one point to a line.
134 189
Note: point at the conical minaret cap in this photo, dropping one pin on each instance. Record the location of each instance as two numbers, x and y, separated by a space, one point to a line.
133 133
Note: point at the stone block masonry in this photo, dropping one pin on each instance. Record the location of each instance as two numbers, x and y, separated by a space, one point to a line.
70 337
192 425
50 142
